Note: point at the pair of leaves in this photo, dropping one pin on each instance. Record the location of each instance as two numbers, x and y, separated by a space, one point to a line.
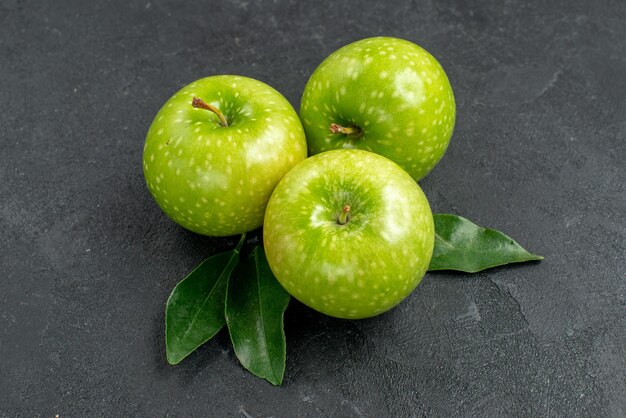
240 293
244 294
464 246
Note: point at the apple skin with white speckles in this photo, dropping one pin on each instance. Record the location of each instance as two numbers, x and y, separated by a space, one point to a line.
216 180
364 266
393 95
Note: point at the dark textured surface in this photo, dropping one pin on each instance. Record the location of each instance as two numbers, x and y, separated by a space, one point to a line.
87 260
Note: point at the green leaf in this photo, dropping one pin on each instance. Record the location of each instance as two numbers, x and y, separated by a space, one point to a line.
255 304
195 309
464 246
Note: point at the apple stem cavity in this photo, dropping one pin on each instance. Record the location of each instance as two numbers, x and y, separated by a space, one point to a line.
344 216
346 130
199 103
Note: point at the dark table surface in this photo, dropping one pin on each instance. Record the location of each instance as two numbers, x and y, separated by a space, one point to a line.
87 260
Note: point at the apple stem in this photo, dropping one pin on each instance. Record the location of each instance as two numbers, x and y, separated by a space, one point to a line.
199 103
344 215
346 130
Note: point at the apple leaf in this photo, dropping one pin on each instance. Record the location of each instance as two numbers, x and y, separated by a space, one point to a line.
195 309
255 305
462 245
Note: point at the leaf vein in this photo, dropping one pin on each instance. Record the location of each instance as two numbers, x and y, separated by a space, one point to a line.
263 331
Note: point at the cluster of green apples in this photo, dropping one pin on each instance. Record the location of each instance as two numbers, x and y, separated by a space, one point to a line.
347 231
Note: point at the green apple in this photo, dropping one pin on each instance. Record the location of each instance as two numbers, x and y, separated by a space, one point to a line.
348 233
217 149
384 95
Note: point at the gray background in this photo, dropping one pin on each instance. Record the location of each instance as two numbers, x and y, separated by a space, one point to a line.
87 260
